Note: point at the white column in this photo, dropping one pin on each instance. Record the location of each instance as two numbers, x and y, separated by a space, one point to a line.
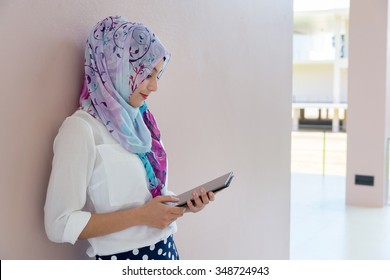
337 73
367 102
336 120
295 121
336 65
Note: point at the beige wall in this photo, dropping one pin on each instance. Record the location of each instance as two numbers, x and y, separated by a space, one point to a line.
224 104
368 102
313 83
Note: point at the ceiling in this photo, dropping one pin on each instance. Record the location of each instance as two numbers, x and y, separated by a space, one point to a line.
319 21
320 5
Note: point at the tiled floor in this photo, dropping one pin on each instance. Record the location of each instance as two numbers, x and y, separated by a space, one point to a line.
323 227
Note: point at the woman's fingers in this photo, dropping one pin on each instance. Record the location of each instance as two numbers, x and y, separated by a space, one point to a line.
158 214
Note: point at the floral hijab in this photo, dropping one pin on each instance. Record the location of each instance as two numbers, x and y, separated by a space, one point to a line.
119 55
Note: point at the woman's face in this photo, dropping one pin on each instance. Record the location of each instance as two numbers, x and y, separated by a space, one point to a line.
148 86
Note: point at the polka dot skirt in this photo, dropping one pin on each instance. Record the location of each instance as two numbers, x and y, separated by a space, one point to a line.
163 250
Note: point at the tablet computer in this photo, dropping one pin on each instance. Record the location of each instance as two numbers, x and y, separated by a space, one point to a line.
214 185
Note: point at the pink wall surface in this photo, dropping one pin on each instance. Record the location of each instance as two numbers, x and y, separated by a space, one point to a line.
224 103
368 102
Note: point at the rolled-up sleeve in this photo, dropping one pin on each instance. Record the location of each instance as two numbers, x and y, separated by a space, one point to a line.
72 167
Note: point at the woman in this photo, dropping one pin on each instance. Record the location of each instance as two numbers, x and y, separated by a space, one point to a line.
109 174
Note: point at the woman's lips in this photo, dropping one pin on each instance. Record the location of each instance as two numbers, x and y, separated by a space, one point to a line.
144 96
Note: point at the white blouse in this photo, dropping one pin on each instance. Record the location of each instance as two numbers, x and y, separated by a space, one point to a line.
92 173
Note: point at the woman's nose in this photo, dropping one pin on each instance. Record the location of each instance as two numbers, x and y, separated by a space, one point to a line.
152 86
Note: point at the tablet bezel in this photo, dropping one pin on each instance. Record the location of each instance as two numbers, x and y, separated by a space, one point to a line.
214 185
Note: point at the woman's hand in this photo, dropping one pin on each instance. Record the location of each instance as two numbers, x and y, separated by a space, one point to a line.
156 213
199 202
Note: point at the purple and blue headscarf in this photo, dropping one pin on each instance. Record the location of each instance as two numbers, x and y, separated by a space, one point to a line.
119 55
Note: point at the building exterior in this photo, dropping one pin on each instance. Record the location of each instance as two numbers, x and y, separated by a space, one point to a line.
320 69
